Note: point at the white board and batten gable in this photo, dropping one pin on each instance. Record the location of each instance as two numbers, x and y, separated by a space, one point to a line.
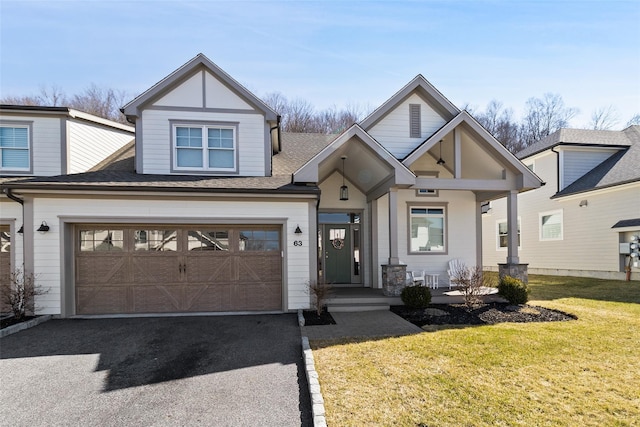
199 120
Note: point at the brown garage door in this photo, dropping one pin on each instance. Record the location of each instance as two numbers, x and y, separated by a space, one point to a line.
162 269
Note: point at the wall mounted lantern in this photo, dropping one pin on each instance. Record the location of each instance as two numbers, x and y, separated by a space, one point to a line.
298 231
344 190
43 227
21 229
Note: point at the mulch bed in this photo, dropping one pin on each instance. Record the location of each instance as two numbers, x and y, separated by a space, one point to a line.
482 314
311 318
5 322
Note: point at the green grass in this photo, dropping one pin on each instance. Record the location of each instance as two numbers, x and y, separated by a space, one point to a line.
578 373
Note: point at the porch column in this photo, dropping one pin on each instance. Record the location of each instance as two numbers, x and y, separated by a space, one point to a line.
512 228
393 227
513 267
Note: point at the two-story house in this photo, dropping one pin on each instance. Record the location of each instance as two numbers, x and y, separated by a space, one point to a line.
213 209
46 141
590 205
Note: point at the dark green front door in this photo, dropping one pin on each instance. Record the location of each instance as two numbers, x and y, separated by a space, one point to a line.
337 253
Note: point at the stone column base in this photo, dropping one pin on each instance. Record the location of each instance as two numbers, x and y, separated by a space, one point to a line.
393 279
517 271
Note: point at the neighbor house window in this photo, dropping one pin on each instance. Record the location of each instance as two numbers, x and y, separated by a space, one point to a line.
205 147
427 229
551 225
503 234
14 148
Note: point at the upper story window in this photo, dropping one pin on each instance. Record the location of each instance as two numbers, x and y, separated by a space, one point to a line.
427 229
551 225
205 147
14 148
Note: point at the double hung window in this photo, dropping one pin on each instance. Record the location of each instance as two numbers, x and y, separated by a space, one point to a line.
14 148
427 229
551 225
205 147
503 234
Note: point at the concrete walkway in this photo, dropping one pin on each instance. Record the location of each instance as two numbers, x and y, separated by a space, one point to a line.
364 324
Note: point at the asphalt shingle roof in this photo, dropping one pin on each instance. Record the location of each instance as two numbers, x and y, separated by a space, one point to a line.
620 168
117 172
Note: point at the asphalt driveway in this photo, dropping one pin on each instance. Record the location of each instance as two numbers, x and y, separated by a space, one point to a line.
214 371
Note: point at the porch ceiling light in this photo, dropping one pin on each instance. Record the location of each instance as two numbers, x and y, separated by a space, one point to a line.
344 190
43 227
440 160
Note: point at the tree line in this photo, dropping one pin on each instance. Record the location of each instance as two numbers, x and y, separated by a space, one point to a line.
542 116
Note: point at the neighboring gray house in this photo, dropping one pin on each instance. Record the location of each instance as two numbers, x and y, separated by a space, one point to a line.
574 225
214 210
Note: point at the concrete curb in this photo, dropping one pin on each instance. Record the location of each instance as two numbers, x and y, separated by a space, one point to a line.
317 401
24 325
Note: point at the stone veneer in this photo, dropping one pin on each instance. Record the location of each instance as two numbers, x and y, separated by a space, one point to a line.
517 271
393 279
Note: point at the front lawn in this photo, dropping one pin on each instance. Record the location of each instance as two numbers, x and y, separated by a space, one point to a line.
584 372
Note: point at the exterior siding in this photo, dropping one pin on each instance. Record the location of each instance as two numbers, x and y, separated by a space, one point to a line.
219 96
393 130
589 245
47 144
188 94
460 230
156 131
49 261
89 144
11 214
576 163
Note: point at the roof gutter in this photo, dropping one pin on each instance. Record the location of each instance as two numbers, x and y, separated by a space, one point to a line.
553 149
13 197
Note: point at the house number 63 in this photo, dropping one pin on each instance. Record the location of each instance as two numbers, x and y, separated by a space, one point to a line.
297 243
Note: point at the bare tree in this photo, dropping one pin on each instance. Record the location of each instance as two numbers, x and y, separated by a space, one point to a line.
635 120
500 123
99 101
102 102
604 118
544 116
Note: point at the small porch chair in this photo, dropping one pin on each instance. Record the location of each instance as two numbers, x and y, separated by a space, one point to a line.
419 276
455 267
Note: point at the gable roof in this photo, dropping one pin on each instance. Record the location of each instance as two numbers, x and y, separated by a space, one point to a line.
620 168
64 111
531 179
309 171
418 85
132 109
601 138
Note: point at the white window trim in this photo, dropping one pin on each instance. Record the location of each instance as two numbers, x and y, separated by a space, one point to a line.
504 220
205 148
28 127
445 223
540 215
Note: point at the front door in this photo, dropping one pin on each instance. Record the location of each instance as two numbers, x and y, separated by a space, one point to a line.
337 253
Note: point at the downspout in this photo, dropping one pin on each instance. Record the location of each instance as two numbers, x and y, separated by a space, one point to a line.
553 149
16 199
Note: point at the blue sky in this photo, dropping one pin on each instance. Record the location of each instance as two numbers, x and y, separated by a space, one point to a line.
336 52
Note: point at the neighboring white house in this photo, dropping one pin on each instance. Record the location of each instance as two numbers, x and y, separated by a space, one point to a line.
215 210
46 141
575 224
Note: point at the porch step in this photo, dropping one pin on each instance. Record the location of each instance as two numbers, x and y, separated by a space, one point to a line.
341 306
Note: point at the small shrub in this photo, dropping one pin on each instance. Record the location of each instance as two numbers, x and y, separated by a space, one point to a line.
416 296
470 282
514 290
19 293
321 291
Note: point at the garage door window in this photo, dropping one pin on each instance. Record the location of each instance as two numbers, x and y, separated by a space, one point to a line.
101 240
156 240
259 240
207 240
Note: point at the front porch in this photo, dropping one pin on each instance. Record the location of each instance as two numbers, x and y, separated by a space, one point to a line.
349 299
